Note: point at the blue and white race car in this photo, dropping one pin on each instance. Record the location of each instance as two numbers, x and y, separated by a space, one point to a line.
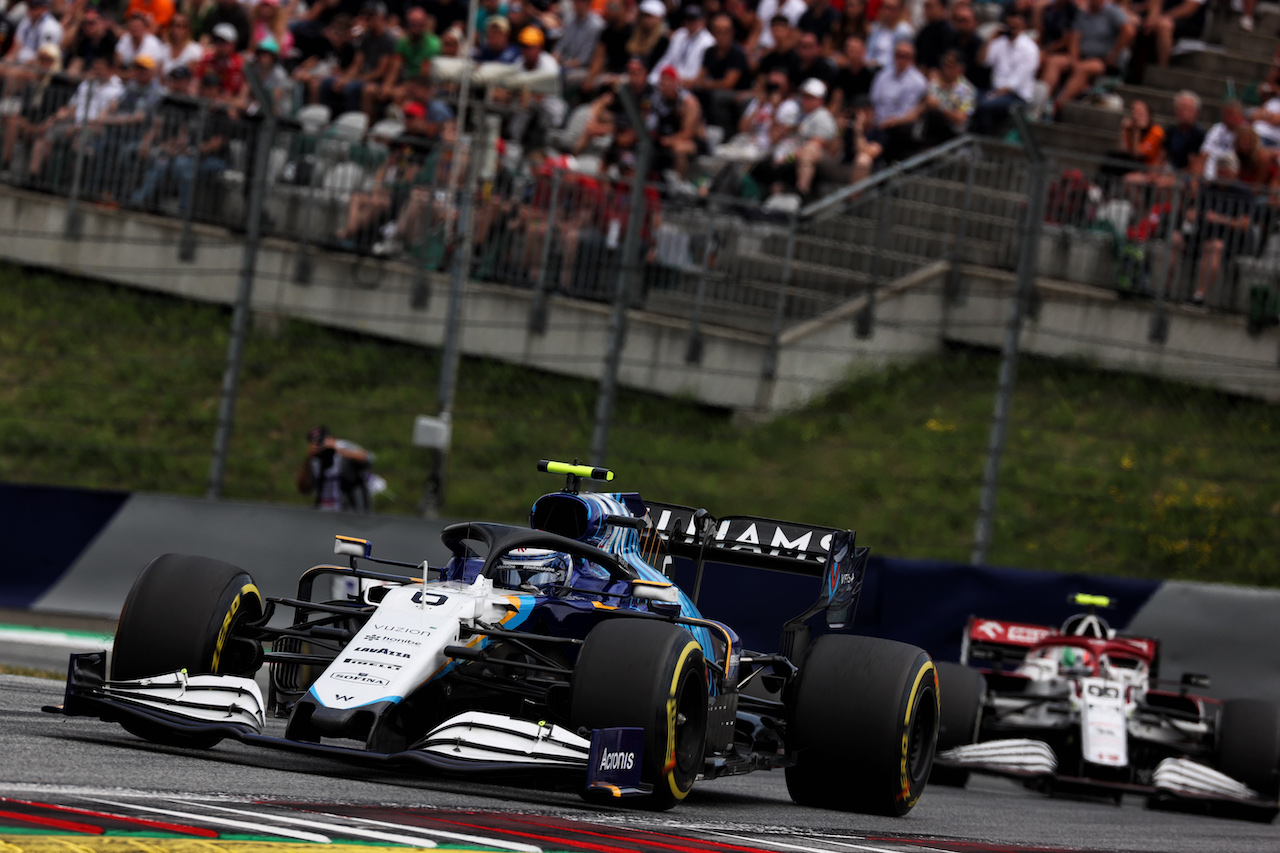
562 649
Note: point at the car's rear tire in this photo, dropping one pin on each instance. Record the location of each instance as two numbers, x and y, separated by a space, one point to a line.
183 612
863 725
960 692
1248 744
650 675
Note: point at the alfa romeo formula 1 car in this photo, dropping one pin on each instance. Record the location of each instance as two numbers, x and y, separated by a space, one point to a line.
556 649
1079 708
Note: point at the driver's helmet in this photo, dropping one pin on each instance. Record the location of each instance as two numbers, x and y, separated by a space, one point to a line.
536 567
1072 659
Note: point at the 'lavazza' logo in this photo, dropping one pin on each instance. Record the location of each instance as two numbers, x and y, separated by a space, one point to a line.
392 652
617 760
359 678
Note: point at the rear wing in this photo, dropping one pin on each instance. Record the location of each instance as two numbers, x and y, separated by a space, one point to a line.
992 643
745 540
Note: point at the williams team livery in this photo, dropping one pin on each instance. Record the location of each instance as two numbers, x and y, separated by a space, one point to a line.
561 649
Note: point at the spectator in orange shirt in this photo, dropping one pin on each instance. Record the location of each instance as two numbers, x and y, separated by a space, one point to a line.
159 12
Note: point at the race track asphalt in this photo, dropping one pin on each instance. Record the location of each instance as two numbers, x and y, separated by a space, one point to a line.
255 800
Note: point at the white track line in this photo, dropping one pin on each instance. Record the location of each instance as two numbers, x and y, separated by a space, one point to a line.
221 821
772 843
394 838
453 836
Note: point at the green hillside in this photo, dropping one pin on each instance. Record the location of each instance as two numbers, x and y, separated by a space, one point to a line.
107 387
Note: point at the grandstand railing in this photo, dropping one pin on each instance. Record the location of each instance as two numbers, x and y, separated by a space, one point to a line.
348 187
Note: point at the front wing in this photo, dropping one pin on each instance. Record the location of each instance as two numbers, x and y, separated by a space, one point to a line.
178 709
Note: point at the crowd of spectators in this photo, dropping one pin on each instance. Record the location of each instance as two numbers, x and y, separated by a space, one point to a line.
747 97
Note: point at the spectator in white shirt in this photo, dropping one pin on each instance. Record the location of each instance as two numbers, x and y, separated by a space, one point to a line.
94 98
138 40
38 28
1013 57
687 46
1221 138
889 29
895 95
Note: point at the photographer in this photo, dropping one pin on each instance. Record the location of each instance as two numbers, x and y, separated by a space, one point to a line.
337 472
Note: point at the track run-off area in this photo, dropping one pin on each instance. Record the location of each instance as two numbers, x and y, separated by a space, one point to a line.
76 784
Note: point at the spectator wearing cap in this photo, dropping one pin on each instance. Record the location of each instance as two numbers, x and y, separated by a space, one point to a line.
538 111
345 91
425 116
609 59
687 47
137 40
810 63
186 149
821 19
87 37
768 117
497 46
488 9
887 30
1014 58
230 12
724 76
896 93
221 61
814 137
650 39
948 102
677 128
37 28
159 13
115 151
577 45
266 60
37 97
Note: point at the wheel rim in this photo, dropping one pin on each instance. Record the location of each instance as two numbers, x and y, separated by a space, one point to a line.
691 706
919 754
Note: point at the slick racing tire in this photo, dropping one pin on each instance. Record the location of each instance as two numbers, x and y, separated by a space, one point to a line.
1248 747
960 693
862 726
650 675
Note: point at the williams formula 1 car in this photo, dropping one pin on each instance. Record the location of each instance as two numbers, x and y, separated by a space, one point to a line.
558 649
1079 709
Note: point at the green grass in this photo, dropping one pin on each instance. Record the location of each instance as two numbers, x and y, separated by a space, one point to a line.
107 387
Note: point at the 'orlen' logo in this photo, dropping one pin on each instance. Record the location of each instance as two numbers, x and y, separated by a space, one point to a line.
1026 634
616 761
359 678
392 652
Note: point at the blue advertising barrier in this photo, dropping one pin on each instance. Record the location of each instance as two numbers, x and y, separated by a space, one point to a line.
48 528
923 602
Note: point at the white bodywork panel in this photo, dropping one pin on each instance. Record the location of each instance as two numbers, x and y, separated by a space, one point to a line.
1017 755
481 736
1184 776
1104 735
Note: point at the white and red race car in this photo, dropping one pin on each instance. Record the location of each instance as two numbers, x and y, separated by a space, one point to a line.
1080 709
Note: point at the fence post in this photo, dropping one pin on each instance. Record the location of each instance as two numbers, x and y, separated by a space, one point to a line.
303 266
538 313
244 296
187 237
1158 331
864 320
770 371
73 225
628 267
954 290
693 345
1023 296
